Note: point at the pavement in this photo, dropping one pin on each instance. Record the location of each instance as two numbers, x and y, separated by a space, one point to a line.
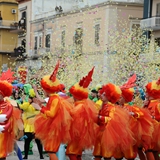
87 154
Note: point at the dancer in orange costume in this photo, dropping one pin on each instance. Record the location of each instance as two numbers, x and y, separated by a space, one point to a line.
53 124
114 135
140 122
153 105
84 114
7 122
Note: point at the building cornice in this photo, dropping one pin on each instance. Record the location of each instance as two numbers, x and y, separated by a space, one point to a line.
12 3
22 1
125 4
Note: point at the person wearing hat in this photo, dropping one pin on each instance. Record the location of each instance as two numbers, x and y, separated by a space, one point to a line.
140 123
152 103
84 114
113 136
53 123
7 123
29 113
94 95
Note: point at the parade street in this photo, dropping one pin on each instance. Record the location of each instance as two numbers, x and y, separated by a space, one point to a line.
87 155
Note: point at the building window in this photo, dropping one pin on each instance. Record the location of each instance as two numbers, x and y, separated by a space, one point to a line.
35 42
63 38
97 31
22 22
78 36
48 41
78 39
158 10
40 41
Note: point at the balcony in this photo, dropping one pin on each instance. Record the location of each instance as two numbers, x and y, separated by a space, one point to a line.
19 52
152 23
4 24
5 48
40 52
21 28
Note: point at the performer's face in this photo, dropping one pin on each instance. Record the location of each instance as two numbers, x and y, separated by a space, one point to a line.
121 101
103 97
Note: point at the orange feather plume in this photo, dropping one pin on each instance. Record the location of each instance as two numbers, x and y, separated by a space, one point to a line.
53 76
130 83
7 76
158 82
85 81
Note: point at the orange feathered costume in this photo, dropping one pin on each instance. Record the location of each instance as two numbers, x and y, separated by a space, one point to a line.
7 122
140 121
84 114
114 135
53 123
153 91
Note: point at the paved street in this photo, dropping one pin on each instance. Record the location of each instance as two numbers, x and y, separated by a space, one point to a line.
87 155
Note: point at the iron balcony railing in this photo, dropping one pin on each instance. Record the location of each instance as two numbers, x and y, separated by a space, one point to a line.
7 48
152 23
6 24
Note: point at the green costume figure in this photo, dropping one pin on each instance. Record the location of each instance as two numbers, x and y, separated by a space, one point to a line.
26 88
94 95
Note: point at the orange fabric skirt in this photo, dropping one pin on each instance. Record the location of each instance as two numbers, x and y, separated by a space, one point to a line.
7 139
53 131
115 134
84 126
142 128
156 136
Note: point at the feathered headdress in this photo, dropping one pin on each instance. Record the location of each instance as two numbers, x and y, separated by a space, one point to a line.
50 83
80 90
153 89
112 92
5 83
127 88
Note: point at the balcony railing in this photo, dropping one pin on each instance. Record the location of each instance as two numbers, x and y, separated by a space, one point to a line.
36 53
152 23
4 24
7 48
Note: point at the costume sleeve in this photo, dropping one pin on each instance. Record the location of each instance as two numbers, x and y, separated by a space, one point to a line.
53 108
104 119
137 113
157 112
24 106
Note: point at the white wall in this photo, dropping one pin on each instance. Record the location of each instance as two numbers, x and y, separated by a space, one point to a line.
45 8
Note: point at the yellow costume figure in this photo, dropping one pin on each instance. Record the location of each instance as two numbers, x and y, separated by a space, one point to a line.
7 122
53 124
29 113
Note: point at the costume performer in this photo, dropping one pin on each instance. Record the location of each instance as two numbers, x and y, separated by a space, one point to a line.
114 135
7 121
140 123
153 105
84 114
18 125
29 114
53 124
